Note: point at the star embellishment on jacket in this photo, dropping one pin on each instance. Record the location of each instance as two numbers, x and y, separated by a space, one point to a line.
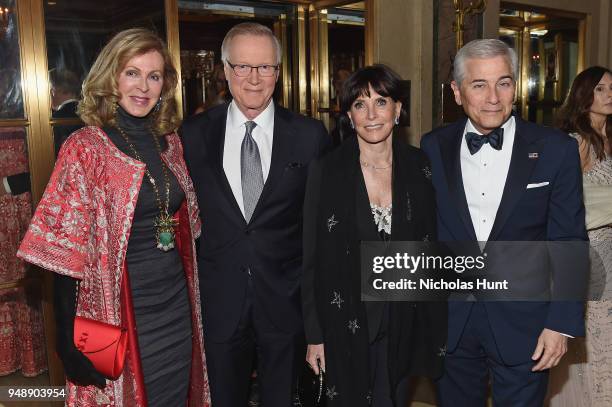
331 393
353 326
337 300
331 222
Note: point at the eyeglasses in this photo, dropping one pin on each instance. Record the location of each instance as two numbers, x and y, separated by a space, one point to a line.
243 70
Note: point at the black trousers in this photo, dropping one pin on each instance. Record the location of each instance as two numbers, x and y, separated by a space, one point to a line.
280 355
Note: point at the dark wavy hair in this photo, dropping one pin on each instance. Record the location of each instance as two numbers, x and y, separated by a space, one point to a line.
573 117
383 81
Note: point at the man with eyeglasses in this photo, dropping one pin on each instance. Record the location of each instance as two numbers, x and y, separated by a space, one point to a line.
249 161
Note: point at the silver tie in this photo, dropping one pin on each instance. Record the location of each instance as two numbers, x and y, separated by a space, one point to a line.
250 170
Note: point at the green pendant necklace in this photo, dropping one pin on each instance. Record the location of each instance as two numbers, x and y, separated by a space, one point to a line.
164 223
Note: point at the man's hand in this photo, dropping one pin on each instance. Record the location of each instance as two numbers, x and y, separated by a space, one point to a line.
550 349
313 353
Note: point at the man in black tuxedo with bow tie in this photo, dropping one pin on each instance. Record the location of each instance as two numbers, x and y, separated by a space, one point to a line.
499 178
249 160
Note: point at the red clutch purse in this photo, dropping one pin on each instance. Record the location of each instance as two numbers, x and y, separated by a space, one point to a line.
105 345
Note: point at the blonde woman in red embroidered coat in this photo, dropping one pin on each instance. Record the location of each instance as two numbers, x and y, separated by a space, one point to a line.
119 216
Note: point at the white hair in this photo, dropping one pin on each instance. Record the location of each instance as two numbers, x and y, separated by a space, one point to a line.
249 29
483 49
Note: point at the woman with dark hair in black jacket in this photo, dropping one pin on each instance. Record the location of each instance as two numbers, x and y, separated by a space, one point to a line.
371 188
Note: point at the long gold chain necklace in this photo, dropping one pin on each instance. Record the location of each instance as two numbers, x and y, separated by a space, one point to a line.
164 223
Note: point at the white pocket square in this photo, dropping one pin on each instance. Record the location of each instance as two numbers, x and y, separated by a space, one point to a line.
537 185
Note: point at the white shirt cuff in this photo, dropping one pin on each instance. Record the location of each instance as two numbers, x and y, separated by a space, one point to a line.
569 336
7 187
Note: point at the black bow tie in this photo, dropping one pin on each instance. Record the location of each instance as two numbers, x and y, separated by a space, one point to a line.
475 140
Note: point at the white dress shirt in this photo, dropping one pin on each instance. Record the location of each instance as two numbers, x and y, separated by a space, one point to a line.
64 103
484 178
6 185
234 134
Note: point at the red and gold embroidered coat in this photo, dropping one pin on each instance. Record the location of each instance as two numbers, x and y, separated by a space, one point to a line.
81 229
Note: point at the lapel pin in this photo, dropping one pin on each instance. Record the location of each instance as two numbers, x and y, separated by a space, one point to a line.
533 155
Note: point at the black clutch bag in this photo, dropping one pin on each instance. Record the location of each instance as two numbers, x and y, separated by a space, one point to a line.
311 388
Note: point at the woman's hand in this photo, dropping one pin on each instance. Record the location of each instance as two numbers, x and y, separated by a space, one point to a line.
78 368
313 353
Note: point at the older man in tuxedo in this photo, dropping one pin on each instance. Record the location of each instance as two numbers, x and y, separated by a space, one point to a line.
499 178
249 160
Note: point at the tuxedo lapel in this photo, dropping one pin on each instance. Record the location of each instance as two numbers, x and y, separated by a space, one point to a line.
519 172
281 153
450 149
217 144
